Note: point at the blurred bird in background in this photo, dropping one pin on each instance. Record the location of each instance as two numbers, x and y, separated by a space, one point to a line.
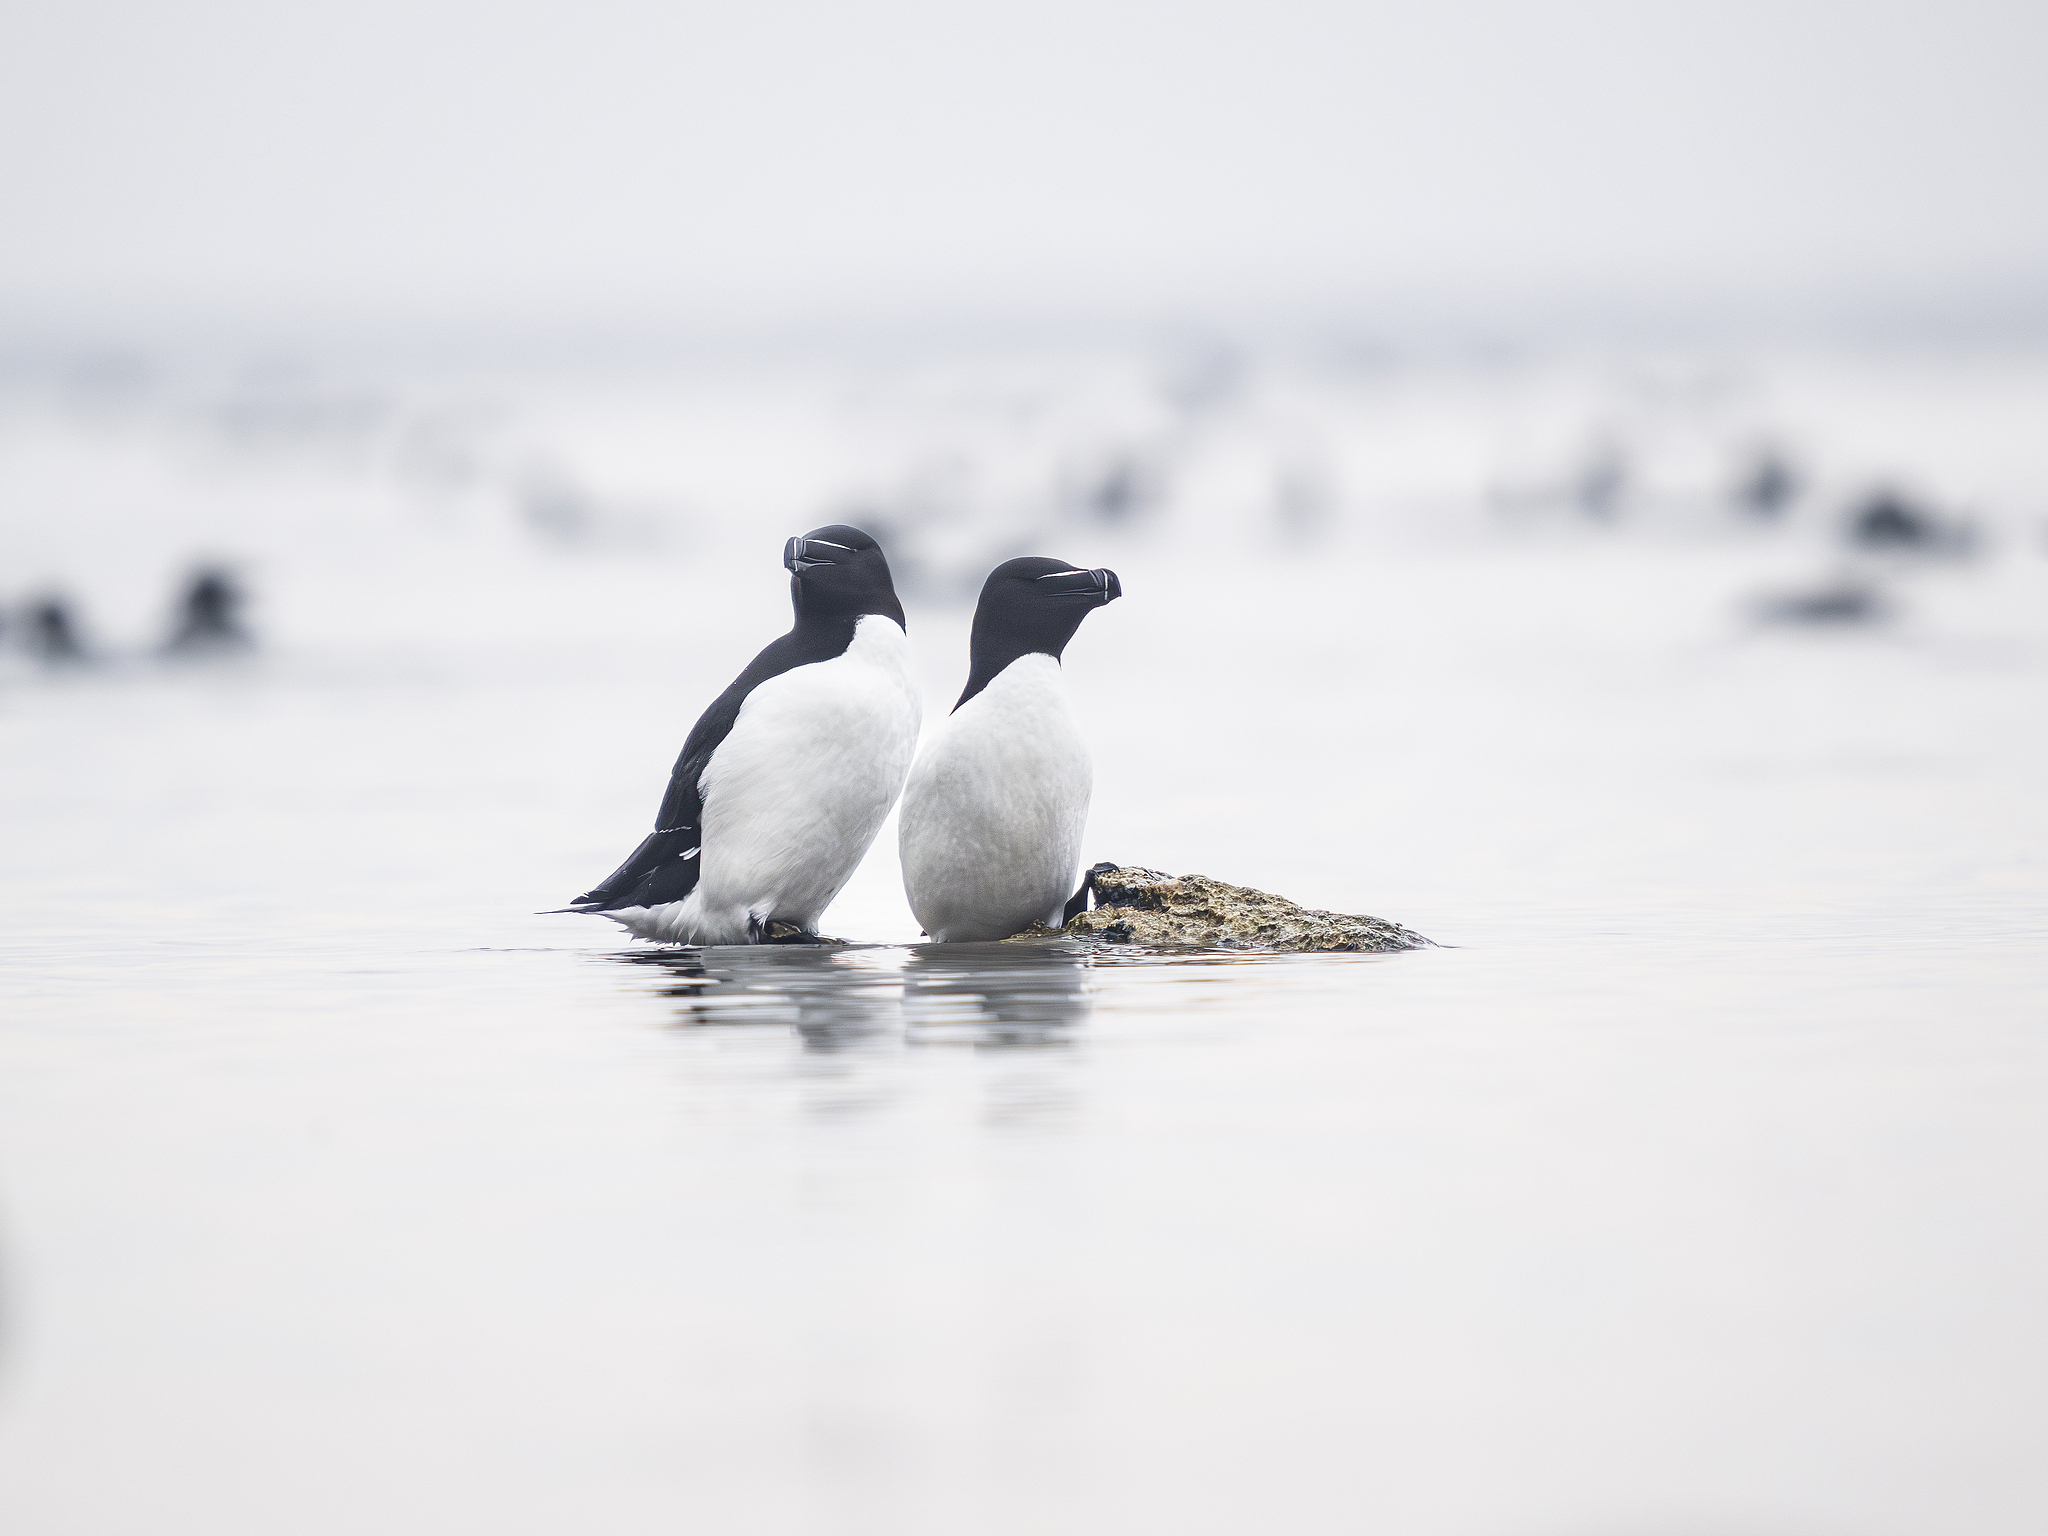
50 632
209 617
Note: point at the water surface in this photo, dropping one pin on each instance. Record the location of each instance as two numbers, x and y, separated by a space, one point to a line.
1695 1185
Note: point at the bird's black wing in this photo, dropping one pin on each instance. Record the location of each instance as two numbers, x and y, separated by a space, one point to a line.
664 867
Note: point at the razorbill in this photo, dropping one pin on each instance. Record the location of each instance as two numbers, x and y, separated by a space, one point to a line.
992 817
53 632
786 778
209 615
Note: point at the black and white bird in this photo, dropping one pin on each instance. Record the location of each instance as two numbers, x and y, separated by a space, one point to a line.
787 777
993 814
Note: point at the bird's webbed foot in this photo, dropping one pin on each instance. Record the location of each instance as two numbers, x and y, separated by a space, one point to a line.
768 930
1079 903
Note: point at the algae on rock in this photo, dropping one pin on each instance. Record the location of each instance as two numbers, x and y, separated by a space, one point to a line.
1144 906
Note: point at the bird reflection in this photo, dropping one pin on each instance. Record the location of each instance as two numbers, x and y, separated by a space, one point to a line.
996 994
832 996
839 996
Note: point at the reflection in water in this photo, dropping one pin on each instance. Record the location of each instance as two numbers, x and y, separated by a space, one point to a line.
833 996
998 994
984 994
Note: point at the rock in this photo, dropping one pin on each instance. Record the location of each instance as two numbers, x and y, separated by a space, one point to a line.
1143 906
1037 933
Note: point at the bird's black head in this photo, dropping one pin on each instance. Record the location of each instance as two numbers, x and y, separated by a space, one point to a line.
837 572
1031 607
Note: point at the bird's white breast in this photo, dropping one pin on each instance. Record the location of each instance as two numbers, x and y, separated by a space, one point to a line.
995 807
796 792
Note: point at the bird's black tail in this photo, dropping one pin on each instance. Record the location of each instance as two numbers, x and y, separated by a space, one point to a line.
662 869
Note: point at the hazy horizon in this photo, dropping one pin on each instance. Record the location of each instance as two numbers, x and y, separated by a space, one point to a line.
797 167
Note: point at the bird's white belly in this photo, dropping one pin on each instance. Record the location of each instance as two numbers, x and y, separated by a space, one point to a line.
794 796
995 807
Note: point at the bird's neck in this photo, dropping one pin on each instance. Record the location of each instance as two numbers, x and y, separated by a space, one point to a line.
991 660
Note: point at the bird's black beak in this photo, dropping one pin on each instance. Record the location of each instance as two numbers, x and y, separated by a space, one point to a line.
799 555
1091 587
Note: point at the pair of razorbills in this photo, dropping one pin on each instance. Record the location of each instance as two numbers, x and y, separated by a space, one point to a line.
788 776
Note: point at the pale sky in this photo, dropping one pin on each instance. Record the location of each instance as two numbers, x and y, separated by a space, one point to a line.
534 157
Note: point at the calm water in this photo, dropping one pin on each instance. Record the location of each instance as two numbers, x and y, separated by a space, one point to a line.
1699 1184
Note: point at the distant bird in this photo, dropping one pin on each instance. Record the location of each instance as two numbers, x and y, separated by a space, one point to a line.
209 615
1602 485
1888 520
52 632
787 777
1842 599
993 814
1768 487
